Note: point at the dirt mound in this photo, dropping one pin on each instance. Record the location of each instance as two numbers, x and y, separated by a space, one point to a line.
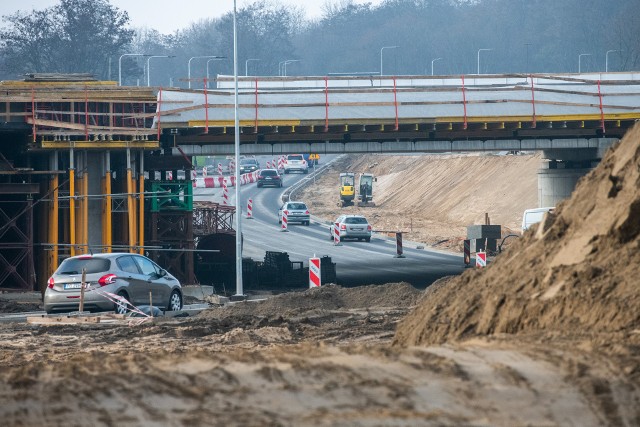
574 274
330 297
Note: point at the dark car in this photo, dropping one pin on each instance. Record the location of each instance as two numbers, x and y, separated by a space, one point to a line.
269 177
126 275
249 165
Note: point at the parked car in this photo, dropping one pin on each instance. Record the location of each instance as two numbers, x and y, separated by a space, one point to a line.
296 212
534 216
248 165
351 227
129 275
296 162
269 177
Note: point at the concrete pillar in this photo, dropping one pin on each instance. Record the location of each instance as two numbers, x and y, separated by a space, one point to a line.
557 184
95 204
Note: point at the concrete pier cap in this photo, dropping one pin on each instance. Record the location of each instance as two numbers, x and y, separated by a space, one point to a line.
561 168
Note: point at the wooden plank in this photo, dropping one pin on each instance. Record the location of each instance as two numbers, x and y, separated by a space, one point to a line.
62 320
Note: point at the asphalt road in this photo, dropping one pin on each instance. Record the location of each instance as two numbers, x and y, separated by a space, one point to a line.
357 263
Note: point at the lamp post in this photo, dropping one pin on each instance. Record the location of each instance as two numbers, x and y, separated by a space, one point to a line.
239 290
246 65
189 65
284 66
580 61
381 49
149 69
120 64
432 61
480 50
606 59
209 60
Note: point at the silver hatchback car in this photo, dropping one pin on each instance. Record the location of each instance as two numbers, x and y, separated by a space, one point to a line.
296 212
127 275
351 227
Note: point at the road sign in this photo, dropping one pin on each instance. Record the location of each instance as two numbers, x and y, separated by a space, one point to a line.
314 273
481 259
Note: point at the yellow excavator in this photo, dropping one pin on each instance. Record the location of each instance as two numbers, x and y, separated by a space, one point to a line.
347 188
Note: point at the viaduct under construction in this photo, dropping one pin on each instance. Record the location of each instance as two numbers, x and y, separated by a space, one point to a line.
88 165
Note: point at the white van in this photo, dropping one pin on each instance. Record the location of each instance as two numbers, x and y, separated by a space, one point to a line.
533 216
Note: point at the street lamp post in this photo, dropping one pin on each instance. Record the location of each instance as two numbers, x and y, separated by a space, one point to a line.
120 64
606 59
480 50
432 61
189 65
209 60
381 49
149 69
284 66
580 61
246 65
239 284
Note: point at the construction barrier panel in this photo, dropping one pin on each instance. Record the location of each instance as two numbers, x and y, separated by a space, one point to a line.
467 252
336 234
285 213
217 181
399 250
220 169
225 194
250 209
314 273
481 259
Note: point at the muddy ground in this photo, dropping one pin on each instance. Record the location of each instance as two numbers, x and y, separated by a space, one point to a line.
548 334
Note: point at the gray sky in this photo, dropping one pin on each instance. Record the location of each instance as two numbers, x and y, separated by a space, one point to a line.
167 16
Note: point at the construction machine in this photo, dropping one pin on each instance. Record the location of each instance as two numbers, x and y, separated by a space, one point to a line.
365 189
347 188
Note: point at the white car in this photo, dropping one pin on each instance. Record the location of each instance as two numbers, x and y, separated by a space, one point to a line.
351 227
296 162
296 212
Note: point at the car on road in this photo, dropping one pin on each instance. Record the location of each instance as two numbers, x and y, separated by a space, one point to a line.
296 212
351 227
127 275
248 165
269 177
296 163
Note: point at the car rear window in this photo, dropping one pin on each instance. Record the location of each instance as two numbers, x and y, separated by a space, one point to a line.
355 220
248 162
91 265
269 172
294 157
297 206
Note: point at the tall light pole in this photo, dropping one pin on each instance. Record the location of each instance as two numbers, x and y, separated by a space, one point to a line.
432 61
149 69
239 290
481 50
189 65
381 49
606 59
120 64
580 61
209 60
246 65
284 66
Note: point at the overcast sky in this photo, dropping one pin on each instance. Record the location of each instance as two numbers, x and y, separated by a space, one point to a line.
167 16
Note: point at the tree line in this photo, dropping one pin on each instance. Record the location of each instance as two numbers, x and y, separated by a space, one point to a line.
406 37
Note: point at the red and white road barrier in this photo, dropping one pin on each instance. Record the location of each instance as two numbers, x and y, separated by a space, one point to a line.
285 213
399 251
481 259
220 169
194 174
467 252
281 162
225 194
169 176
217 181
268 164
250 209
204 171
336 234
314 273
232 166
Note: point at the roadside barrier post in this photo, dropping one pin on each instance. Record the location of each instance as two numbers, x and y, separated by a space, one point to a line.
399 251
204 171
467 252
250 209
336 234
220 169
314 272
225 193
285 213
481 259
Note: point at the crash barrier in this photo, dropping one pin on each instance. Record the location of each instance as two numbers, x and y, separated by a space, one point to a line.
225 193
399 251
467 252
220 169
314 273
204 171
336 234
481 259
217 181
250 209
285 213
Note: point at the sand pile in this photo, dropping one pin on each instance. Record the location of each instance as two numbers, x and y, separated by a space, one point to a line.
577 273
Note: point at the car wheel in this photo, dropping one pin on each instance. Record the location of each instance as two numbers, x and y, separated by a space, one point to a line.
367 239
175 301
121 308
306 223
